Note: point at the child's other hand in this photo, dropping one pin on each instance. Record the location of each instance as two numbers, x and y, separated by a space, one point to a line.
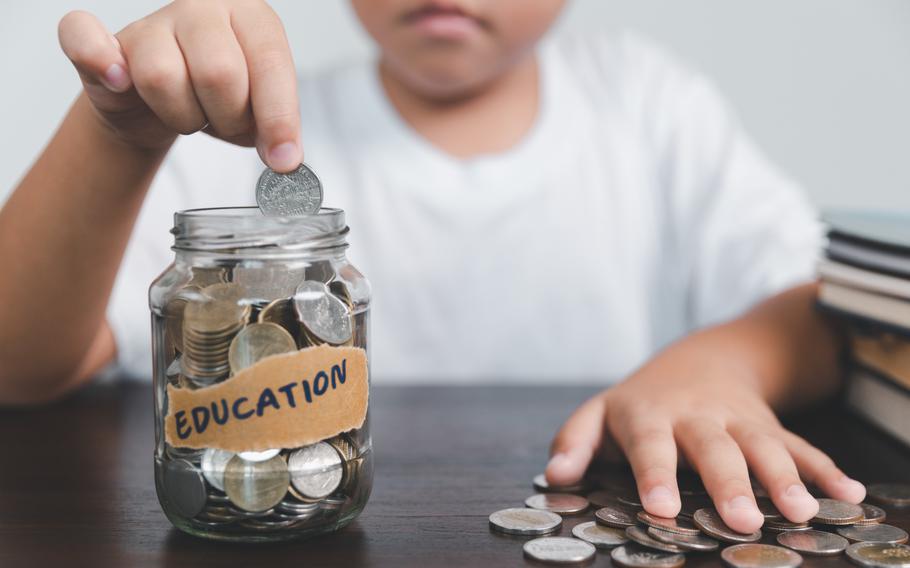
719 425
223 66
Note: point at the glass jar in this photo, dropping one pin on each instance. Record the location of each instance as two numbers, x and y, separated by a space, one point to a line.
260 334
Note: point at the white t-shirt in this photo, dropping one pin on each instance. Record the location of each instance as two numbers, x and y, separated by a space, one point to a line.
634 211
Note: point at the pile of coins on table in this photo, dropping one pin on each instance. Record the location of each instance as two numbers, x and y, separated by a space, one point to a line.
226 319
638 539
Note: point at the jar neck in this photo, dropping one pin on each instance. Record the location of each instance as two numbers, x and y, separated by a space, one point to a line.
245 233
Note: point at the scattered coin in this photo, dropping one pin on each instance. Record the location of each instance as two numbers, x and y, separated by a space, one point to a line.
879 554
785 525
895 494
630 499
768 509
634 556
184 487
601 537
562 503
874 533
322 314
834 512
679 526
813 542
213 463
698 543
256 342
296 193
872 515
760 556
525 522
641 536
710 522
316 470
256 486
559 550
542 485
615 517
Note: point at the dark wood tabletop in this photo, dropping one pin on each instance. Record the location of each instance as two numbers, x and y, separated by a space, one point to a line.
76 484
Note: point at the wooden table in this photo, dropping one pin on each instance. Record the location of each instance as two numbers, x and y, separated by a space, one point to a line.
76 481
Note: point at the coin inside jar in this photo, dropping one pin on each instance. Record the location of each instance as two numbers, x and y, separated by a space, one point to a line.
525 522
562 503
874 533
760 556
559 550
256 486
316 470
600 537
322 314
296 193
879 554
213 463
256 342
813 542
184 487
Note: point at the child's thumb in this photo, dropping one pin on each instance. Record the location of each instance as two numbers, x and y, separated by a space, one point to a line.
95 52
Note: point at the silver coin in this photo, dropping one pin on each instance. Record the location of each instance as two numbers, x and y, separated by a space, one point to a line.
679 526
316 470
256 486
562 503
872 515
213 463
601 537
699 542
296 193
641 536
711 523
834 512
813 542
525 522
896 494
559 550
879 554
324 315
760 556
267 281
615 517
256 342
184 487
887 534
259 456
542 485
635 556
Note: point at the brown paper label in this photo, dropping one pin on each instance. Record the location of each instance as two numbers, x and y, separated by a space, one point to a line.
283 401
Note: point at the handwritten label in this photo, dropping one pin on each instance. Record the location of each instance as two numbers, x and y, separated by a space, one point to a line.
283 401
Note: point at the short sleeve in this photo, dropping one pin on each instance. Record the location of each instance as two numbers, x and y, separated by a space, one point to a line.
745 229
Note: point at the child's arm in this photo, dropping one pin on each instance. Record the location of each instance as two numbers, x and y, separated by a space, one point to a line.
223 65
709 397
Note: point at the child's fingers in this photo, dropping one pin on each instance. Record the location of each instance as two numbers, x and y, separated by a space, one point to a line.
576 442
94 52
648 444
771 461
160 75
218 72
815 466
273 85
722 467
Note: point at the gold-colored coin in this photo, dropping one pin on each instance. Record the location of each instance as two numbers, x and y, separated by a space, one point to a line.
256 342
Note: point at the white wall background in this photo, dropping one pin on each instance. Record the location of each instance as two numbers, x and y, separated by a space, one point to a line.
824 85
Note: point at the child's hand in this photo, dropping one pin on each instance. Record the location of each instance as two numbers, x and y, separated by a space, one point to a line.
719 423
223 66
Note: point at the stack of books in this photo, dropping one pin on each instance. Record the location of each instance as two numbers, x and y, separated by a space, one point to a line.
865 280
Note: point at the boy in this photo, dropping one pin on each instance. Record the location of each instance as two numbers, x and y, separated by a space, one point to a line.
523 211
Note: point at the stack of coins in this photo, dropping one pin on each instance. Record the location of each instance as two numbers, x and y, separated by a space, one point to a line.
636 538
210 323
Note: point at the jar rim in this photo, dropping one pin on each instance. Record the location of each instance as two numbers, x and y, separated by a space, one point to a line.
232 229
